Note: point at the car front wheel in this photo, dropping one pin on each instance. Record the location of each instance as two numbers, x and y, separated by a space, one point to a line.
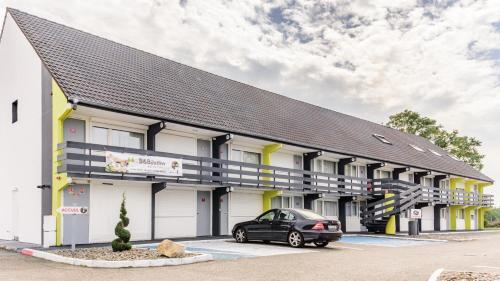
295 239
321 244
241 235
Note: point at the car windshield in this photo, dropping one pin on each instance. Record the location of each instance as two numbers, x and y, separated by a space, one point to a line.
310 215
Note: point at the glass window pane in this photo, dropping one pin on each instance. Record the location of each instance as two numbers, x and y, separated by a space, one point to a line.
318 166
276 202
236 155
328 167
348 209
330 208
354 172
251 157
269 216
286 202
127 139
362 172
100 135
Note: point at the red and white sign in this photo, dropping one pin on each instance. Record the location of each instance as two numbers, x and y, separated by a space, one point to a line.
415 214
73 210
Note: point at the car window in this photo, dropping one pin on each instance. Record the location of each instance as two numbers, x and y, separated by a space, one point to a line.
269 216
309 214
286 216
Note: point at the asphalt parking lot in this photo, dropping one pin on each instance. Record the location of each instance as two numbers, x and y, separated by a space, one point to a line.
340 261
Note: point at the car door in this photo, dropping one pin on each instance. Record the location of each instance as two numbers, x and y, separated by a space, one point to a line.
261 229
282 225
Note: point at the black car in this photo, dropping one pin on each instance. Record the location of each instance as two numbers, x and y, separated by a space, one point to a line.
294 226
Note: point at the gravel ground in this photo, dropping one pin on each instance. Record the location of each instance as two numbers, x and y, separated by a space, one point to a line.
468 276
107 254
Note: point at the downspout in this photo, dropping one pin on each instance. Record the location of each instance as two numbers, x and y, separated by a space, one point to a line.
61 109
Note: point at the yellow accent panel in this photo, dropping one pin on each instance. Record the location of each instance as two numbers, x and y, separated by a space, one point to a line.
60 111
468 221
266 157
266 198
453 217
390 227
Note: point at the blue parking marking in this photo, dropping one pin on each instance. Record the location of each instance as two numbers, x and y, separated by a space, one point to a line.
384 241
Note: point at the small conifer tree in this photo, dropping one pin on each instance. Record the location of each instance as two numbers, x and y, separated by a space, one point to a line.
122 242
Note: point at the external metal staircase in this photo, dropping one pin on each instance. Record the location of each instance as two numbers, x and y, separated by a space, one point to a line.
403 196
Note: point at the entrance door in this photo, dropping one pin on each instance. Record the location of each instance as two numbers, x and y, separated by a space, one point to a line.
76 226
203 213
297 202
224 207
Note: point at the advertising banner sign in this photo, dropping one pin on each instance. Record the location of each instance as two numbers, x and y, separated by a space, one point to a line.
73 210
142 164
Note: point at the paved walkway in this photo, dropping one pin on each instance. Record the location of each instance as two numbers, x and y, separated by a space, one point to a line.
16 245
342 261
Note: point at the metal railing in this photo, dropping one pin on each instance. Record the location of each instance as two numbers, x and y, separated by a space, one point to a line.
87 160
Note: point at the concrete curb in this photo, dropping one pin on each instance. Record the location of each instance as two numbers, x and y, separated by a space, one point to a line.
435 275
116 264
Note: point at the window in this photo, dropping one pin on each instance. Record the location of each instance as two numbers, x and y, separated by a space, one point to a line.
286 216
355 171
444 184
330 208
435 152
14 112
245 156
351 209
382 138
120 138
461 214
319 207
428 182
411 177
279 202
269 216
325 166
443 213
416 147
381 174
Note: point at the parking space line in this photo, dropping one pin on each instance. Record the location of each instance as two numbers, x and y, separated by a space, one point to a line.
348 248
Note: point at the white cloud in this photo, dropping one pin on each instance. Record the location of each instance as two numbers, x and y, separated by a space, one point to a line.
365 58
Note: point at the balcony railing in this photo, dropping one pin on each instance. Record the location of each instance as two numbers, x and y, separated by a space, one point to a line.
86 160
436 195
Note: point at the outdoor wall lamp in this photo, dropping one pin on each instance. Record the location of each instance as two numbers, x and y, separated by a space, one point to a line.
73 102
44 186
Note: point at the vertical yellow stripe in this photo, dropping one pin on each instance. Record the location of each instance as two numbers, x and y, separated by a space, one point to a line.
60 111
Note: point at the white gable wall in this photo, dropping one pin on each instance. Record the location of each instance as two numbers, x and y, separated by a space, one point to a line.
20 145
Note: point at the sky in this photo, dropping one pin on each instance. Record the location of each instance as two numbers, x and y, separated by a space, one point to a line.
365 58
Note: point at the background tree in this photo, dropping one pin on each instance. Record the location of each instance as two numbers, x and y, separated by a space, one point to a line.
122 242
462 147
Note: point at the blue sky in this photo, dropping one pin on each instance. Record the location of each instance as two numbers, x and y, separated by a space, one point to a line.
364 58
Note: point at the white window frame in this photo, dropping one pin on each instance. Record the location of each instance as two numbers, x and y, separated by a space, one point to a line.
117 128
322 161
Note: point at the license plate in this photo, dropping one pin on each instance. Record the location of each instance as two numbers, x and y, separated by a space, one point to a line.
332 227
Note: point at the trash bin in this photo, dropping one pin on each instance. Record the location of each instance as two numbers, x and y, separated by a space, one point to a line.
413 227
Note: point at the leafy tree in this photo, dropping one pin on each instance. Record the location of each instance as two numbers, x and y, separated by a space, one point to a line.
462 147
122 242
492 216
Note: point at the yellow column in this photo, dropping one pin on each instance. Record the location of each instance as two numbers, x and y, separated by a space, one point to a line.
469 209
390 227
60 111
453 207
482 210
266 160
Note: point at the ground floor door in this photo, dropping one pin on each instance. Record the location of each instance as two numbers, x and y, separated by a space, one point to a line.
203 213
76 226
224 214
443 219
473 220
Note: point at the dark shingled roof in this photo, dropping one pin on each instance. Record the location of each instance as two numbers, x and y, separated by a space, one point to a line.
110 75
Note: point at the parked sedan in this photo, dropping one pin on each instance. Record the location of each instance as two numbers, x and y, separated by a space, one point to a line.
294 226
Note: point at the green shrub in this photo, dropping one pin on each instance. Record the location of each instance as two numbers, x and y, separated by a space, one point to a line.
122 242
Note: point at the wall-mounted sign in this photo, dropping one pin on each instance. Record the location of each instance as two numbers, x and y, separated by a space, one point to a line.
73 210
415 214
142 164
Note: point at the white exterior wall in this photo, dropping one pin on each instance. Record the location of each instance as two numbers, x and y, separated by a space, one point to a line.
243 206
175 213
104 210
428 218
20 145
